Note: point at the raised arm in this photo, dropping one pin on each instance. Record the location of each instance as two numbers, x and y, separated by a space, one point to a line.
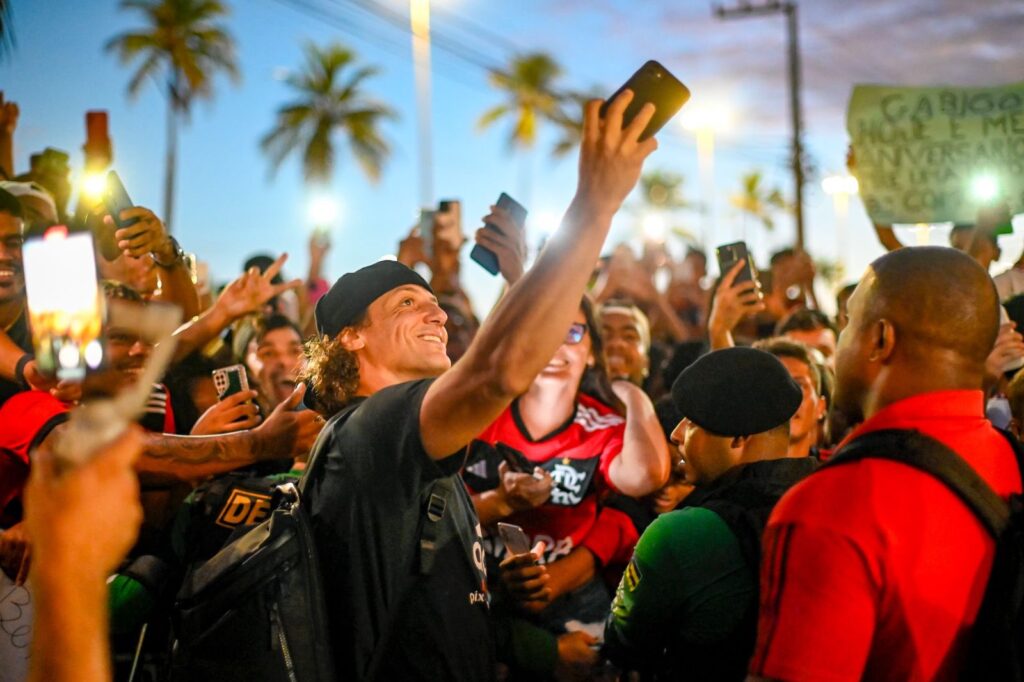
148 236
244 296
530 322
284 435
643 465
731 304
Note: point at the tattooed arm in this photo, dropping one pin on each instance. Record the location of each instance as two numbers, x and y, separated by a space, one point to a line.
284 435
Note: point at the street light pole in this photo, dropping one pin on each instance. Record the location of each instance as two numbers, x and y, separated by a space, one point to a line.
840 188
419 20
789 9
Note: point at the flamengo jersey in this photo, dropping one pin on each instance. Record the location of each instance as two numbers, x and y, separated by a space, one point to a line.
577 455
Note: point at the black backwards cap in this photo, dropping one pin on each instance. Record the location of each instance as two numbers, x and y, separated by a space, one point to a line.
736 392
353 293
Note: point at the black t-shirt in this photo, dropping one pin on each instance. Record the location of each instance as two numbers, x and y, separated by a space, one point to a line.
368 508
22 336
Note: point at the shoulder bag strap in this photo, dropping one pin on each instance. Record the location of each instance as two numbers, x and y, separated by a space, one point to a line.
926 454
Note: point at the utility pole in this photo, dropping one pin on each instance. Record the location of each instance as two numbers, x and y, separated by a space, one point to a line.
788 8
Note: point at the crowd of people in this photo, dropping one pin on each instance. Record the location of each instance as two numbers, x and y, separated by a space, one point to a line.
682 461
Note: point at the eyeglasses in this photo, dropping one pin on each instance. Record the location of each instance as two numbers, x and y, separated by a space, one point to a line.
576 333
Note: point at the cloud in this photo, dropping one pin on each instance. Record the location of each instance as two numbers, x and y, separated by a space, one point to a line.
843 43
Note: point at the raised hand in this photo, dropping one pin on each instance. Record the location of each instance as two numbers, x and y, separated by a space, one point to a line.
234 413
612 157
287 433
252 290
9 113
732 303
148 235
508 244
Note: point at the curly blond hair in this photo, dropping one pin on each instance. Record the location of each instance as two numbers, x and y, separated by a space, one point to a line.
332 372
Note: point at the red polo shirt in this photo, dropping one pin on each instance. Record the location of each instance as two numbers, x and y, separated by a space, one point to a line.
875 570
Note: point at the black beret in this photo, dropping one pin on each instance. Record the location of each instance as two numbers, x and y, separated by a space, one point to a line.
353 293
737 392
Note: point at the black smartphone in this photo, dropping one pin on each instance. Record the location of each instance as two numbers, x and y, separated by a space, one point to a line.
652 83
730 254
515 460
117 200
484 256
427 231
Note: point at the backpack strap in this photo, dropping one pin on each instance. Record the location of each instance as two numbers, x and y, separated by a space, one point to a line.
913 448
316 457
437 504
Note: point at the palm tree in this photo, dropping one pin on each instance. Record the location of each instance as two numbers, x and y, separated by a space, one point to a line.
182 48
531 98
660 201
330 97
6 30
663 190
757 201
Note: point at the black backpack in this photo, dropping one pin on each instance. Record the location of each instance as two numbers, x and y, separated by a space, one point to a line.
996 650
256 608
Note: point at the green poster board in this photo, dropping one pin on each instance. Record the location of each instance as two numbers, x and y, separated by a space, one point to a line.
930 155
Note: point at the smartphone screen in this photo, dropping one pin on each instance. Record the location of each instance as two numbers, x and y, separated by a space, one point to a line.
484 256
65 311
652 83
730 254
516 541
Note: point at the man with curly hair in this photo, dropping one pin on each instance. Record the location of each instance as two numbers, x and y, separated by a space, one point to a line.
401 605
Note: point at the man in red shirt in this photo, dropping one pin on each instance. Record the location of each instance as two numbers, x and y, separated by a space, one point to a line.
873 569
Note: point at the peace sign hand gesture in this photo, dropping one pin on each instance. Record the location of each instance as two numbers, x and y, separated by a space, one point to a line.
251 291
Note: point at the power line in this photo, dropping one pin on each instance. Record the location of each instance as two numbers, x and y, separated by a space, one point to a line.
375 38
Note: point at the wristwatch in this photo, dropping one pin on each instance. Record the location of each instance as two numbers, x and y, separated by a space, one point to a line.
179 255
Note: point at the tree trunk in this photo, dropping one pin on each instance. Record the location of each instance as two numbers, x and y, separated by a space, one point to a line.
172 151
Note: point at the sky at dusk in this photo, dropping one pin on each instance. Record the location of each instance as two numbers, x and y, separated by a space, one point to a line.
228 206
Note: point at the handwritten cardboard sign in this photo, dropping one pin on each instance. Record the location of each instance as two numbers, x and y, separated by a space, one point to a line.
923 155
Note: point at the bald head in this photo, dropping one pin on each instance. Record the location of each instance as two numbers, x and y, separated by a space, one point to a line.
938 299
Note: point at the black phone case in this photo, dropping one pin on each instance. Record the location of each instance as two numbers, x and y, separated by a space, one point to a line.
730 254
484 256
117 200
652 83
516 460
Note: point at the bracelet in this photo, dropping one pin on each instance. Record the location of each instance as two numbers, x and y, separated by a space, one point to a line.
179 255
19 369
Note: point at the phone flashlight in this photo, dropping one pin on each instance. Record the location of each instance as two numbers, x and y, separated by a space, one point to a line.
65 311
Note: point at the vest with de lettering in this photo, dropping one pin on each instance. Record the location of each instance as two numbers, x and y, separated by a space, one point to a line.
224 505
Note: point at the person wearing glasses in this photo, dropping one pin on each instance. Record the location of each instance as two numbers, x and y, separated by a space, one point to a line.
572 439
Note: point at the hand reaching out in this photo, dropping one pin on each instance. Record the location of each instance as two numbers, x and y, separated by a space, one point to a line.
612 157
733 302
237 412
508 243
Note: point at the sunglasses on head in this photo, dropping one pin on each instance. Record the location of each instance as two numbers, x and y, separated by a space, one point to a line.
576 333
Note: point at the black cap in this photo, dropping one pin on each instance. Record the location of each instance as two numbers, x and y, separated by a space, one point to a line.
262 261
737 392
353 293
